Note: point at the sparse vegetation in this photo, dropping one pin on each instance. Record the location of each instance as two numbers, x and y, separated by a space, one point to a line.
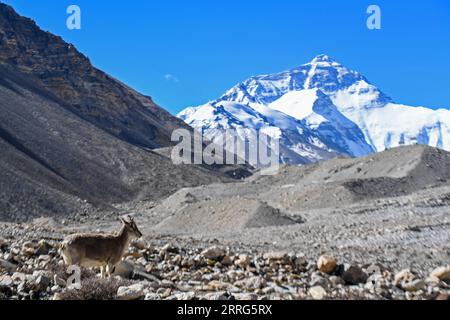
95 288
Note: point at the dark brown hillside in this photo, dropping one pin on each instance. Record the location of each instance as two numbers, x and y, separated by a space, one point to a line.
89 92
72 139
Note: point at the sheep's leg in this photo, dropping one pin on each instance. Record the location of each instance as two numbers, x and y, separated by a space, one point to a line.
102 272
109 270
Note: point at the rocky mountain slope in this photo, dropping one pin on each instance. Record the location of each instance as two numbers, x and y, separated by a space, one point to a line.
334 109
89 93
284 198
390 209
155 269
73 140
368 228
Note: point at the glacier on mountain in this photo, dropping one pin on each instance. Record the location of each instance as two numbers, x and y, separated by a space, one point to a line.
319 110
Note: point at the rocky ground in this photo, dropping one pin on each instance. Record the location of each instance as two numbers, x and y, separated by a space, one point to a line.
370 228
167 268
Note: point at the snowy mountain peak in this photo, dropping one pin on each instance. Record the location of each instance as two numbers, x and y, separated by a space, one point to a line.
325 60
321 109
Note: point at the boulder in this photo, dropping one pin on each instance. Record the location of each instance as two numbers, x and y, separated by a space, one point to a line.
124 269
41 283
443 297
354 275
276 256
336 281
318 293
243 261
413 286
442 273
152 297
300 261
139 244
7 266
133 292
252 283
3 243
319 281
403 276
326 264
214 253
6 281
227 261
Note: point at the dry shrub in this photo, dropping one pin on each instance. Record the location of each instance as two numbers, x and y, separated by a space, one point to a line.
61 272
95 289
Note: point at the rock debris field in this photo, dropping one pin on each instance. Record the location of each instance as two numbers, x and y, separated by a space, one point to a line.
369 228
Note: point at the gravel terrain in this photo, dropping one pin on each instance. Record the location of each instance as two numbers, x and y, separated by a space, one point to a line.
257 239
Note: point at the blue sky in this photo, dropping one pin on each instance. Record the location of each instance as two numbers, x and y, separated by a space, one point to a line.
185 53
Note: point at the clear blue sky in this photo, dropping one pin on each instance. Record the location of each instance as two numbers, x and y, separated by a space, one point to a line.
210 45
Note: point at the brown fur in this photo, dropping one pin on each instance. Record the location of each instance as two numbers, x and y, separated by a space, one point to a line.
99 250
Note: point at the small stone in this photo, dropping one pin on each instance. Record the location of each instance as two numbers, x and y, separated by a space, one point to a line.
214 253
442 273
3 243
326 264
133 292
164 292
300 261
57 297
7 266
354 275
443 297
413 286
139 244
336 281
403 276
243 261
317 293
124 269
184 296
23 287
218 296
319 281
41 283
275 256
45 258
177 260
227 261
376 281
252 283
43 247
19 277
6 291
55 289
6 281
152 296
219 285
187 263
268 290
374 269
245 296
29 248
58 281
142 261
169 248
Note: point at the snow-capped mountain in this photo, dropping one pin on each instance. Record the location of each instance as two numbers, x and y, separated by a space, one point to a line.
318 110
